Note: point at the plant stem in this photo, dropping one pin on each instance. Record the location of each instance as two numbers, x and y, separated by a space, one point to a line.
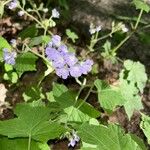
7 2
39 55
121 43
29 143
86 97
126 38
32 17
77 97
105 36
38 14
138 20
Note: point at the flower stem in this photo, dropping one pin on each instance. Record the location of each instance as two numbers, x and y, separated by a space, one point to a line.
86 97
29 143
138 20
126 38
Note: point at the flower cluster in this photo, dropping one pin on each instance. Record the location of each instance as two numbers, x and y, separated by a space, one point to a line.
9 56
124 28
55 13
74 139
20 13
13 4
64 62
93 29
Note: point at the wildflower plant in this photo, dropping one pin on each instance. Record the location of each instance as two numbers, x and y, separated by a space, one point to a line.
62 111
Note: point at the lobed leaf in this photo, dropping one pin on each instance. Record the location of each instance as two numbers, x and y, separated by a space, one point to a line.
25 62
107 96
31 121
21 144
108 138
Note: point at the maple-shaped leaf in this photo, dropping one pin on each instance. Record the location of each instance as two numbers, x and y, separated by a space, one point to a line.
109 138
31 121
25 62
136 73
21 144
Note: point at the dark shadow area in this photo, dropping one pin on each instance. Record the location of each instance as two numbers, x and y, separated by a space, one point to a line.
84 12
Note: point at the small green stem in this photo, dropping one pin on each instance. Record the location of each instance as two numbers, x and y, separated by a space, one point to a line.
38 14
7 2
83 85
105 36
126 38
138 20
121 43
78 81
45 30
86 97
37 54
32 17
29 143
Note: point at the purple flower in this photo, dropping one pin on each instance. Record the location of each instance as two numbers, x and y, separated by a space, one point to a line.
62 72
75 138
75 71
51 53
9 57
13 4
55 13
13 42
50 44
63 49
86 66
20 13
65 63
72 142
56 40
70 59
59 61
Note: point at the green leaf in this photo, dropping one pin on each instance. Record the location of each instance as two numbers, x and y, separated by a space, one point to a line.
50 96
75 115
29 32
66 99
33 93
136 73
23 3
31 121
73 36
107 138
133 77
59 89
133 104
107 47
145 126
8 67
78 111
108 97
64 4
140 4
25 62
11 76
4 44
21 144
144 37
39 40
87 109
